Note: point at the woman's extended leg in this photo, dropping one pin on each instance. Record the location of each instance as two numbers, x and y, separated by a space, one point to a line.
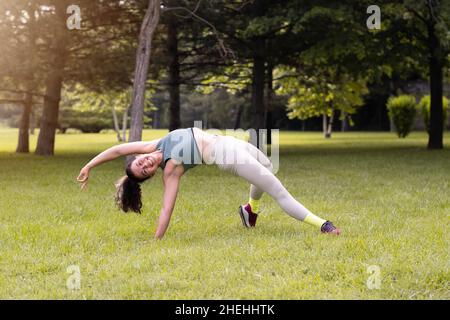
251 164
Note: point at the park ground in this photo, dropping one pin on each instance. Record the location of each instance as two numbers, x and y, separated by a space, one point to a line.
390 196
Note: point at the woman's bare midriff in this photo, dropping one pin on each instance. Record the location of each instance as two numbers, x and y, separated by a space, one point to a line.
205 141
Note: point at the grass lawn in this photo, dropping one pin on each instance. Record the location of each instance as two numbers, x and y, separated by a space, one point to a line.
390 196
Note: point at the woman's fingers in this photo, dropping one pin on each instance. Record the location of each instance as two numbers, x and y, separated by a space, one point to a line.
83 178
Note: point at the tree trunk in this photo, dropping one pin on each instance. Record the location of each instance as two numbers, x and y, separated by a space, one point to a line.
148 27
32 121
23 145
269 103
116 124
324 124
345 124
435 138
125 123
206 114
258 88
156 118
49 120
237 119
174 74
330 125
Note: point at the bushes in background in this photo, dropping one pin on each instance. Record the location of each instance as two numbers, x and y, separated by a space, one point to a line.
86 122
402 112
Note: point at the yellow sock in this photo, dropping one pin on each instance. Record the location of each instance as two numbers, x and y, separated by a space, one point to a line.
314 220
254 204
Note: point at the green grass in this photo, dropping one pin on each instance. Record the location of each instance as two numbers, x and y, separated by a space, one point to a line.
390 196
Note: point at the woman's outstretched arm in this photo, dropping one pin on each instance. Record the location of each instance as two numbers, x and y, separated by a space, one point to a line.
115 152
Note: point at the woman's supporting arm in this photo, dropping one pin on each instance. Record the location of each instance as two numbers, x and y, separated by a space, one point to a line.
171 183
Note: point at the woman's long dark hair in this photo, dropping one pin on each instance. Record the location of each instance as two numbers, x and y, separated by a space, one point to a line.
128 194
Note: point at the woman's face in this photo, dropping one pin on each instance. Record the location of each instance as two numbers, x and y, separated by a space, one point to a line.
144 165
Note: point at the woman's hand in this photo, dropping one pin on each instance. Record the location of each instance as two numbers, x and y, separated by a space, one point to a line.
83 177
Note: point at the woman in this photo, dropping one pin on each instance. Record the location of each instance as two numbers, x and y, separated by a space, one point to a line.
183 149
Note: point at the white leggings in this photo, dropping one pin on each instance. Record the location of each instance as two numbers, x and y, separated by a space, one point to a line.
248 162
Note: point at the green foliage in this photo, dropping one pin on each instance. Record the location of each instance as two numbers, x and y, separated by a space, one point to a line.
10 115
436 13
320 93
424 107
91 111
263 25
235 79
81 98
85 121
402 112
217 109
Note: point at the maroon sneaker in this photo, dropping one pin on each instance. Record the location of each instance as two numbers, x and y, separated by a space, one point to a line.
247 216
328 227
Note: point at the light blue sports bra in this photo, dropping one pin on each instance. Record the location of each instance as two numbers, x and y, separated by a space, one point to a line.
180 146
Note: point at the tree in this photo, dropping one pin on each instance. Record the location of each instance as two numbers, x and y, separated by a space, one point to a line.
322 92
97 55
430 25
30 82
321 79
110 104
174 73
265 34
54 81
192 48
19 63
418 30
143 53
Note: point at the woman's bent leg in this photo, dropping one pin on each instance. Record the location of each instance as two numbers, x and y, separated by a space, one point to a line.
262 180
255 192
